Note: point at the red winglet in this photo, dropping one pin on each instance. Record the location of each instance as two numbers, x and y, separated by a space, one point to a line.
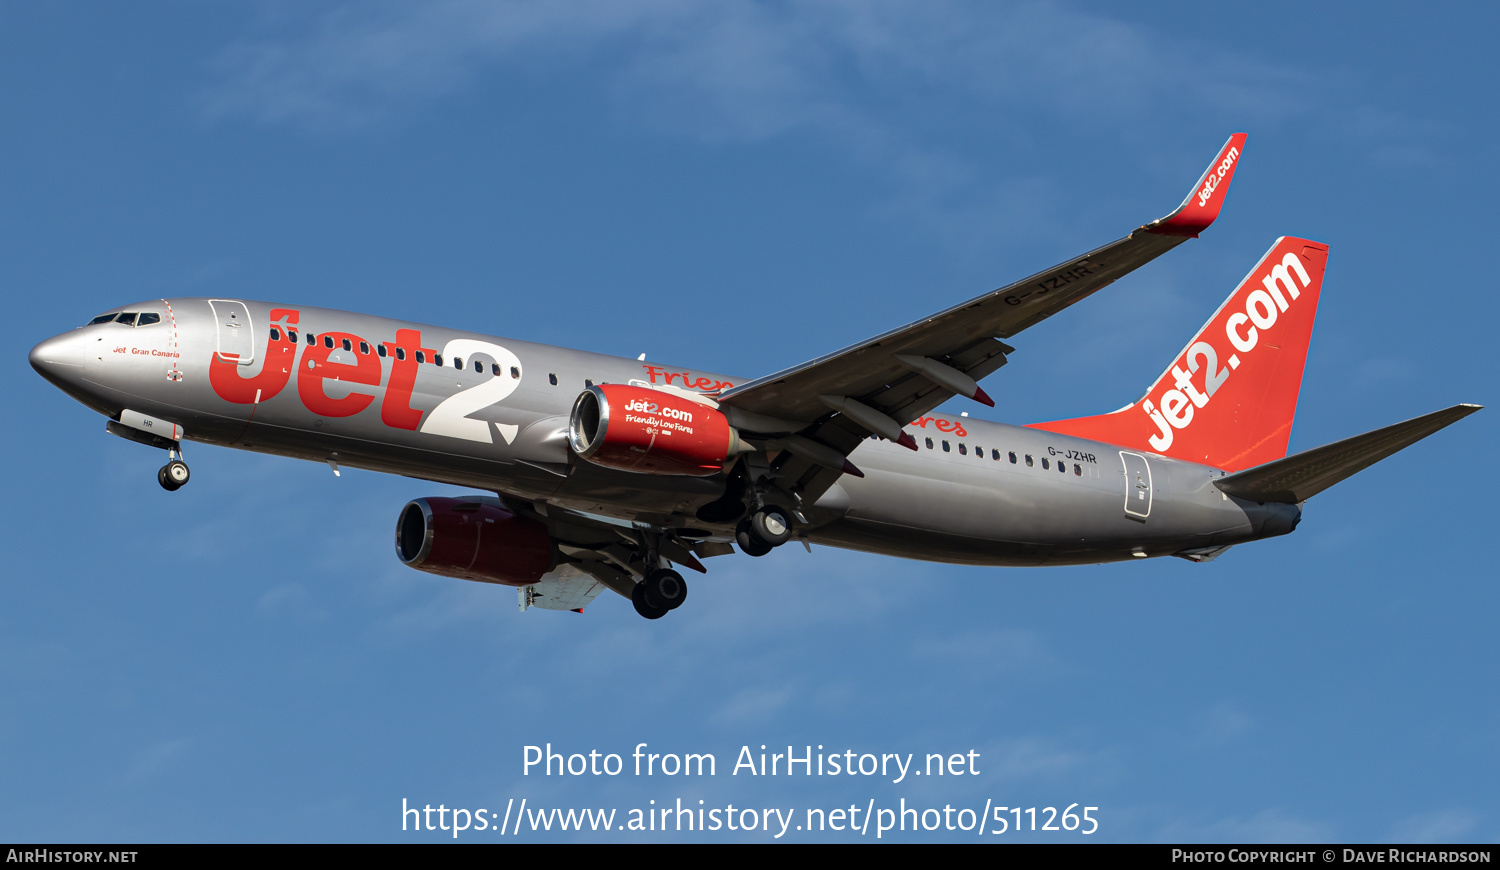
1200 208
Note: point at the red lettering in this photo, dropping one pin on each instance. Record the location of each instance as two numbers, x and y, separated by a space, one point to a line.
315 369
705 384
277 360
953 426
396 410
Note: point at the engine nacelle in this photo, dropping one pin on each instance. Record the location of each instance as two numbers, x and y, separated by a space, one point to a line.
473 539
650 431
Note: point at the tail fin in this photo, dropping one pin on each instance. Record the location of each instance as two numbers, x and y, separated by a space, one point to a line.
1229 397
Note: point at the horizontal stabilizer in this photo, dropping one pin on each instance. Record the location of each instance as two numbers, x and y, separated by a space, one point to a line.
1298 478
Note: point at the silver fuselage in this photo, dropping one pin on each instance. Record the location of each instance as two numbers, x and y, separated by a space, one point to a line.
499 423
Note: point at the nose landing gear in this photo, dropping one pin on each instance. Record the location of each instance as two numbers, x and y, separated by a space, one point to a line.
174 474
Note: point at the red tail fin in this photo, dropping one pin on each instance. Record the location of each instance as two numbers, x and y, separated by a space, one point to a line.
1229 397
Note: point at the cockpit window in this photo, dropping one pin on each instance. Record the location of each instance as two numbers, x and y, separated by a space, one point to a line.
147 318
103 318
126 319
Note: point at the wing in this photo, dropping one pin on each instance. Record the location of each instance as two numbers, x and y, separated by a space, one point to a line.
833 402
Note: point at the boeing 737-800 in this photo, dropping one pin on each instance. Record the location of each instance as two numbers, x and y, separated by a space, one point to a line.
603 473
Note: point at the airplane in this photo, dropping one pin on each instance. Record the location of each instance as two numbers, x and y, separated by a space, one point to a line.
606 473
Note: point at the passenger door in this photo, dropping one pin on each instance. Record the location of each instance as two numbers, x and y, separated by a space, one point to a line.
236 336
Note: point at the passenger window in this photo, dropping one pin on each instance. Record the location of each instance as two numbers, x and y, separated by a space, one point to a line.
347 345
1013 457
478 366
291 335
275 334
437 359
1062 467
947 448
552 379
380 349
128 318
1028 460
312 339
515 372
1077 470
103 318
963 449
364 348
1045 466
147 318
401 353
929 443
421 357
996 456
458 362
328 341
495 369
587 383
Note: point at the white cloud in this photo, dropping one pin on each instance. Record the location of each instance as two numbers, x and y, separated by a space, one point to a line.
929 93
995 651
1267 826
1221 724
753 706
290 600
744 70
1444 826
155 759
1034 759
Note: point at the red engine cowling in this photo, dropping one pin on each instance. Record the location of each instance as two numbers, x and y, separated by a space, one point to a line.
650 431
473 539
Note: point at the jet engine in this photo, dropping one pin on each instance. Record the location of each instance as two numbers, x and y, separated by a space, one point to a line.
650 431
473 539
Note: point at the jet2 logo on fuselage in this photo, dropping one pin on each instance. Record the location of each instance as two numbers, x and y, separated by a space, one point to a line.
318 365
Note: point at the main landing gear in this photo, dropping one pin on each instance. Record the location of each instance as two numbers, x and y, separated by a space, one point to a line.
658 592
764 530
174 474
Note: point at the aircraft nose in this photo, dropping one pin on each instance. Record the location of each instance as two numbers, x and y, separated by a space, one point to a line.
59 358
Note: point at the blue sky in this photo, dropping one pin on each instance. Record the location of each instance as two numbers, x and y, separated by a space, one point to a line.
740 187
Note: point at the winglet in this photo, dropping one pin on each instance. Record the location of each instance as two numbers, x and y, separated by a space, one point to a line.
1200 208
